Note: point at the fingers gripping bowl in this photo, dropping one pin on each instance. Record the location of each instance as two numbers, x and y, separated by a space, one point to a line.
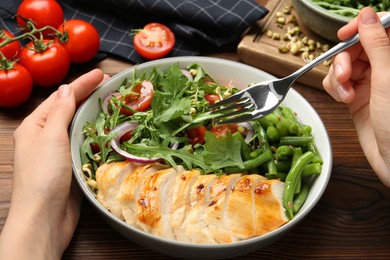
224 72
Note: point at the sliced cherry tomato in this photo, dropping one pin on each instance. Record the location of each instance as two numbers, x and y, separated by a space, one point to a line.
212 98
12 49
42 13
221 130
196 135
48 67
15 86
141 100
154 41
81 40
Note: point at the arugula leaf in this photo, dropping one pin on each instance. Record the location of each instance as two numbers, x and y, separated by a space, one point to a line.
163 112
221 152
174 81
189 159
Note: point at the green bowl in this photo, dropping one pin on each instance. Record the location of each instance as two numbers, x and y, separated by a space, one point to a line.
319 20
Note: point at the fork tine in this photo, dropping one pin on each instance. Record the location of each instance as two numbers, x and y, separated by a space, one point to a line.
234 113
230 100
236 106
237 119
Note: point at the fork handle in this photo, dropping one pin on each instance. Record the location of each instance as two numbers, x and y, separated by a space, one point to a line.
385 20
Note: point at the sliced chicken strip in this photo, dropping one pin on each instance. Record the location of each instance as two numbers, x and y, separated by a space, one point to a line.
109 178
216 210
269 212
181 200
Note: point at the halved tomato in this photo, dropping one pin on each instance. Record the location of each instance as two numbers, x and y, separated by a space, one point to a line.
139 100
221 130
154 41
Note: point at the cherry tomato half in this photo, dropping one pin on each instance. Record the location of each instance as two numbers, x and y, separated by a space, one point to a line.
196 135
81 40
42 13
12 49
48 67
139 101
154 41
212 98
15 86
221 130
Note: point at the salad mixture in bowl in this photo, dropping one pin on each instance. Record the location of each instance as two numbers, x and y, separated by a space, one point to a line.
153 158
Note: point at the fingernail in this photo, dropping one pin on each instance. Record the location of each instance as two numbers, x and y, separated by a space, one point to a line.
64 91
338 70
368 17
342 93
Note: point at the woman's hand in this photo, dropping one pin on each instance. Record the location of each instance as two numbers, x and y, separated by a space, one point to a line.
45 205
360 77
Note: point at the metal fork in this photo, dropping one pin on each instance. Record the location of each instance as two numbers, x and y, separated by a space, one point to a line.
262 98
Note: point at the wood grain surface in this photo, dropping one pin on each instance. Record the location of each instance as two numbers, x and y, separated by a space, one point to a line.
351 221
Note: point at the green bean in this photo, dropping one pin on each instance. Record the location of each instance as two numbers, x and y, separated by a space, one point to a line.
269 120
273 134
255 153
312 169
283 166
252 163
296 140
301 198
262 136
313 148
284 151
297 154
292 179
245 148
303 130
280 175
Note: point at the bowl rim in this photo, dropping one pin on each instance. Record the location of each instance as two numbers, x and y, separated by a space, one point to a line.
197 59
319 9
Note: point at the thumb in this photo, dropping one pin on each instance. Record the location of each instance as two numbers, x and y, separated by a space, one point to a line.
374 39
62 109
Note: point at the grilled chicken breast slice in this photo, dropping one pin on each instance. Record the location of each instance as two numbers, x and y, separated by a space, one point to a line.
190 207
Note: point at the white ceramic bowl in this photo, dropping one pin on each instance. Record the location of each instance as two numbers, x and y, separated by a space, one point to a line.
224 71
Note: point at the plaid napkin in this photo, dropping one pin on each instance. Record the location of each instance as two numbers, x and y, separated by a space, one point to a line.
200 26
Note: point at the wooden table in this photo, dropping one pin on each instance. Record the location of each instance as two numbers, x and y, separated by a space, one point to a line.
351 221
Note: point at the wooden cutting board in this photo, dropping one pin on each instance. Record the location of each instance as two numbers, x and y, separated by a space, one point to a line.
261 51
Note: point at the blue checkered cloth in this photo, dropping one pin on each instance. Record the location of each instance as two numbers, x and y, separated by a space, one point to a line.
200 26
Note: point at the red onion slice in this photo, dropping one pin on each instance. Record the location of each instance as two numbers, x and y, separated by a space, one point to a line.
106 101
187 74
115 143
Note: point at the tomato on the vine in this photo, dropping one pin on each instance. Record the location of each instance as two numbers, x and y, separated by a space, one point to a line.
42 13
154 41
47 67
12 49
80 39
139 100
15 86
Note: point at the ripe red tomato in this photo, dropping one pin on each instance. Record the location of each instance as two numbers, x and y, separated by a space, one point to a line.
15 86
42 12
212 98
154 41
48 67
139 101
221 130
11 50
196 135
81 40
